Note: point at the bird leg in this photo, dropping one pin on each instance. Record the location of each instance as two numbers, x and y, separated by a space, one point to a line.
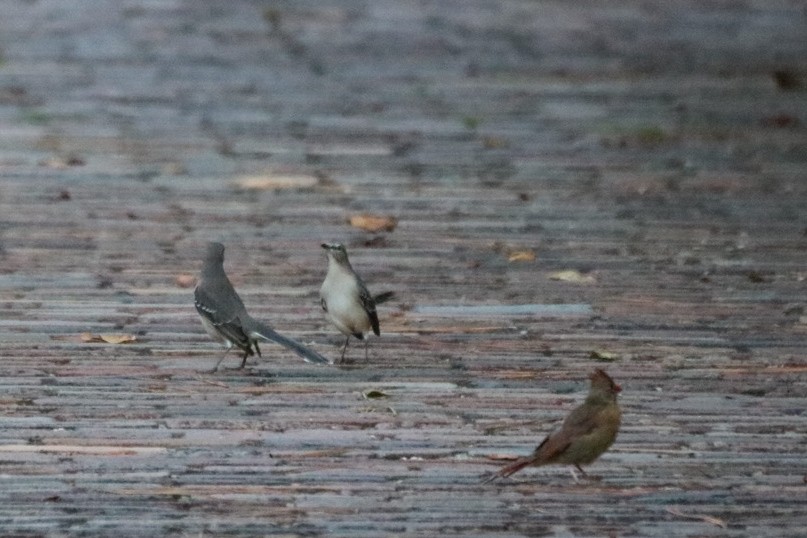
574 474
216 367
366 341
587 476
347 341
247 353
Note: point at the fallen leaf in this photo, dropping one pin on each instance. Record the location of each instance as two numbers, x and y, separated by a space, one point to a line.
501 457
108 338
373 223
604 356
521 256
118 338
185 280
572 275
274 182
494 142
708 519
373 394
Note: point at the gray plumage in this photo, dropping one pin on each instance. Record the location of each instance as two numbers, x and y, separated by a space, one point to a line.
225 317
345 299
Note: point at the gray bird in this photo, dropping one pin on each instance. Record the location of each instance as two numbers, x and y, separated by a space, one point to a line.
345 299
226 319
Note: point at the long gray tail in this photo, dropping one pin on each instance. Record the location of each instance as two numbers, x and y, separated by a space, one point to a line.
264 332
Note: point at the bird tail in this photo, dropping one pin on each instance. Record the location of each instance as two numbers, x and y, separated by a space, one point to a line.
264 332
510 469
382 298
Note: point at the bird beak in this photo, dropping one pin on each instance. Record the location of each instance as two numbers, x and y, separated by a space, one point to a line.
617 389
326 246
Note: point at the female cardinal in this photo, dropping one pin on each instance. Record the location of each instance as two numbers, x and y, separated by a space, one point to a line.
588 431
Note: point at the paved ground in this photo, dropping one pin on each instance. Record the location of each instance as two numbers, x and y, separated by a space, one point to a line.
655 150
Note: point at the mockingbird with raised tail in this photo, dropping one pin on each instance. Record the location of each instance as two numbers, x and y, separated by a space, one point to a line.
225 318
345 299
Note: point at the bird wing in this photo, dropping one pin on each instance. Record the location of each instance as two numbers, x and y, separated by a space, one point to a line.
228 324
584 421
368 303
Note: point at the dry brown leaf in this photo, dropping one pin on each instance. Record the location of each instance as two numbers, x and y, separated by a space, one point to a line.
494 142
118 338
89 337
185 280
108 338
521 256
572 275
373 223
708 519
501 457
273 182
603 355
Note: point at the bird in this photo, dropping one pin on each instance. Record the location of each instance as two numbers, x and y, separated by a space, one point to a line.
345 299
225 317
588 431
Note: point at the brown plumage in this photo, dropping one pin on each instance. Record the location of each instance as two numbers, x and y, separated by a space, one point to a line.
588 431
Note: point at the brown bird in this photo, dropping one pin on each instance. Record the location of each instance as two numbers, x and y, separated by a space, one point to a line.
588 431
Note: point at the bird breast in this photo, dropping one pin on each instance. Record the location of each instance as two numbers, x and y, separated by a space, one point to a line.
341 294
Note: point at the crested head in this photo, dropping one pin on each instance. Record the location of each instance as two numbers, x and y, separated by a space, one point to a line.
602 384
336 252
214 252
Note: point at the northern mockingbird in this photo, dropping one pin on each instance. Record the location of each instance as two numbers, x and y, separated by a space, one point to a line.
225 318
345 299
